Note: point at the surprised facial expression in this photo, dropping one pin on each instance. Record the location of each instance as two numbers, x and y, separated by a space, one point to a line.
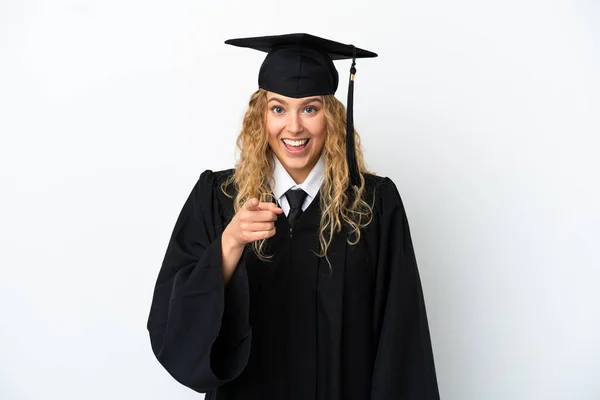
297 132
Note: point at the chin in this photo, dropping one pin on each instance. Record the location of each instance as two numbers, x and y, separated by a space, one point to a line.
295 164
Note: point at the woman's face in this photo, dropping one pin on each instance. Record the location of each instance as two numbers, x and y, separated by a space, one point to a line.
296 129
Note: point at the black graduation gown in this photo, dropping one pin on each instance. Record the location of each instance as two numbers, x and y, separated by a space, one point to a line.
292 328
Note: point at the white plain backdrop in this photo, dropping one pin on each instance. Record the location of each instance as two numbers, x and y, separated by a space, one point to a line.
485 114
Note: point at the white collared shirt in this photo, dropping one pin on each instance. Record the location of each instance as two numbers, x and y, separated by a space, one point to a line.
282 182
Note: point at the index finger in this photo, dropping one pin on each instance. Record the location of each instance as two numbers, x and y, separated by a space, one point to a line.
264 216
268 206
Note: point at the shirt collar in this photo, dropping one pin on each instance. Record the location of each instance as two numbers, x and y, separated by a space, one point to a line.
282 181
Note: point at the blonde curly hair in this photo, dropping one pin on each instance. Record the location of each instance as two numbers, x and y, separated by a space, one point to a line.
255 167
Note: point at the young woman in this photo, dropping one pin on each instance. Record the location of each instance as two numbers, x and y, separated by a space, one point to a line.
293 276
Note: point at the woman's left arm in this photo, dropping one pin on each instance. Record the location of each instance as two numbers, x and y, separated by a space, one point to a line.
404 365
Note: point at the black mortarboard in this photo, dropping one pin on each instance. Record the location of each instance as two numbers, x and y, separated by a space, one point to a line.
300 65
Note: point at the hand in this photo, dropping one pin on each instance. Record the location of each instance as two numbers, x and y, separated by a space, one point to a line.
254 221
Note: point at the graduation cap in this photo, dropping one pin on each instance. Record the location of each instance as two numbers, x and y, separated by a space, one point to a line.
301 65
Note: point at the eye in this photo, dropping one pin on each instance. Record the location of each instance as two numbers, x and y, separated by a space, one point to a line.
311 110
277 109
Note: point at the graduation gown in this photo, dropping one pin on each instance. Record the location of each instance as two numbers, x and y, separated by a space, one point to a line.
292 328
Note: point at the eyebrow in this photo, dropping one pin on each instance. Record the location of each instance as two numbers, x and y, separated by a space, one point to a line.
303 103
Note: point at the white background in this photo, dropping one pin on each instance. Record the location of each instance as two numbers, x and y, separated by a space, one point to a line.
485 114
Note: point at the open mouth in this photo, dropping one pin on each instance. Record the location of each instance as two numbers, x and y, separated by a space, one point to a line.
294 145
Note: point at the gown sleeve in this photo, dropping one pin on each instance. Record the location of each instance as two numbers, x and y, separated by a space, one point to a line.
404 365
199 328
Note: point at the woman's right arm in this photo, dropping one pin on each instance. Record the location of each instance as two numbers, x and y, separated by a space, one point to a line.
199 327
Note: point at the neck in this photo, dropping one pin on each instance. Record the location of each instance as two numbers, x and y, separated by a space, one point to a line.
298 176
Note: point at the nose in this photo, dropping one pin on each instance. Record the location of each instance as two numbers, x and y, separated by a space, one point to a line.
294 124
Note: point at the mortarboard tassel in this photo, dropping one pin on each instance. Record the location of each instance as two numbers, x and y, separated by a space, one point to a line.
350 150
